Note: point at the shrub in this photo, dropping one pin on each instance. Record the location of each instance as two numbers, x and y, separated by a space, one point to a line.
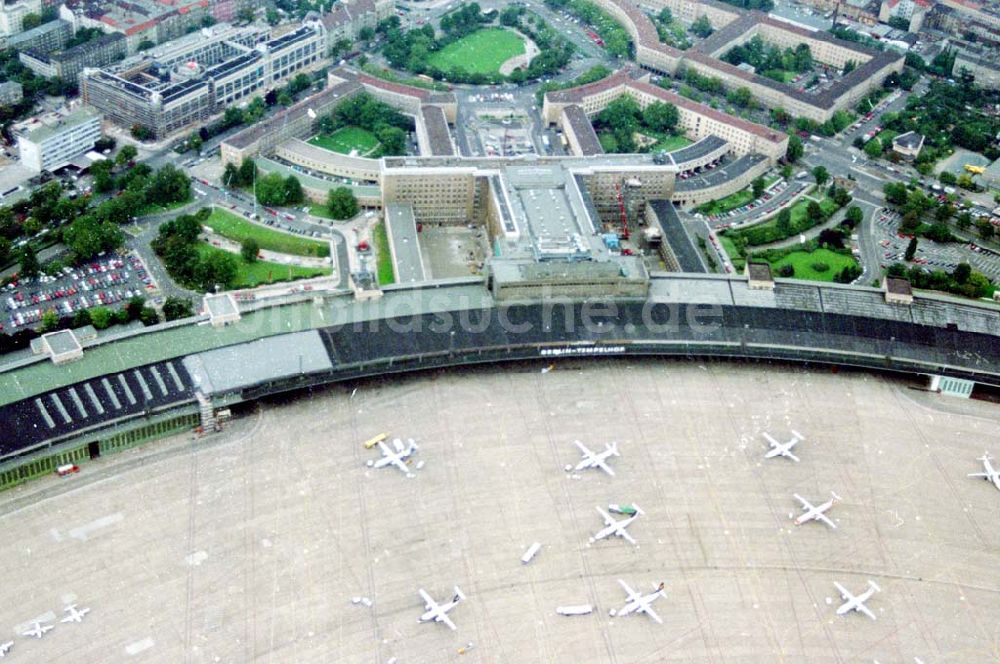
820 267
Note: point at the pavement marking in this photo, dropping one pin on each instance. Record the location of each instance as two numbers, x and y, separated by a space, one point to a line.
81 533
139 646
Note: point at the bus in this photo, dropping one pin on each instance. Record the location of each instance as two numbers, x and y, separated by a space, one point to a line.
375 440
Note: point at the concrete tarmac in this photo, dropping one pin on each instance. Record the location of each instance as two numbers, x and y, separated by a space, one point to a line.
248 546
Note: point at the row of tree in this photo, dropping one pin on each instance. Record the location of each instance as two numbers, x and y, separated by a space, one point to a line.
923 215
177 246
770 60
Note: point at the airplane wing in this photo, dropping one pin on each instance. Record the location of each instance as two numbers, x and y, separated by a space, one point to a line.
806 505
865 610
583 448
978 475
822 517
447 621
398 463
384 448
771 440
628 538
625 587
606 468
428 600
607 517
648 610
843 591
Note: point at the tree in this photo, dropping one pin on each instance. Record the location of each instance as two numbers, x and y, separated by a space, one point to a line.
854 215
293 191
784 222
821 175
947 177
985 228
911 250
660 116
249 250
815 212
216 271
284 98
795 150
141 133
758 187
50 321
702 27
125 155
895 193
30 21
176 307
145 45
100 317
961 273
873 148
341 203
964 220
248 172
88 236
29 262
271 189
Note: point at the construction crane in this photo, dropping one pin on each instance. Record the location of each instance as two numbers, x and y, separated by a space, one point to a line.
621 211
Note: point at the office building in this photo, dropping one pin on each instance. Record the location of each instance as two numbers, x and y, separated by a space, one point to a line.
52 141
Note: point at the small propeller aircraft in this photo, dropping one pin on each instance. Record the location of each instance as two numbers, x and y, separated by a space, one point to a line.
616 528
595 460
38 630
74 614
639 603
395 458
439 612
856 603
783 449
5 648
992 474
816 512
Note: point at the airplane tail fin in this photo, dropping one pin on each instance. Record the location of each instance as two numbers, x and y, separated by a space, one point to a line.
458 594
638 510
613 448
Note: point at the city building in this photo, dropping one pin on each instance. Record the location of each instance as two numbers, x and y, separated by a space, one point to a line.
347 19
908 144
913 11
68 64
187 81
984 70
11 93
734 27
46 38
51 141
12 15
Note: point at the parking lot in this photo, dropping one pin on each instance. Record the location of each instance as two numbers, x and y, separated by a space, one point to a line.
108 281
930 254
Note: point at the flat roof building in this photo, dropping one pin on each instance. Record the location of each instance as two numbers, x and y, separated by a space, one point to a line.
52 141
68 64
11 93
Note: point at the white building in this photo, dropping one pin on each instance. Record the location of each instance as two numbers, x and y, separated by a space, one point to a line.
12 15
53 141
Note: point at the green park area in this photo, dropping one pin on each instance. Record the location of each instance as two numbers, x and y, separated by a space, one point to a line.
250 275
386 275
481 52
237 229
818 265
667 142
346 140
733 200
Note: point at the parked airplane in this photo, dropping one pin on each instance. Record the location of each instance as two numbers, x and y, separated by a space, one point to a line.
75 615
37 630
783 449
992 474
616 528
592 460
816 513
853 603
5 648
639 603
439 612
396 458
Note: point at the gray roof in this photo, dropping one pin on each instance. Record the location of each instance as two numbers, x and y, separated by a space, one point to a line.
402 231
676 236
436 125
583 130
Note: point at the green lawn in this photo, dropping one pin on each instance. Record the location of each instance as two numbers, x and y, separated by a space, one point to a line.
785 75
383 255
320 211
799 209
347 139
734 200
734 255
803 262
154 208
254 274
236 228
481 52
670 143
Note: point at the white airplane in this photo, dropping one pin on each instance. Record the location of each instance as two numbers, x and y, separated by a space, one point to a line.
439 612
853 603
5 648
38 630
592 460
396 458
783 449
616 528
992 474
816 512
75 615
639 603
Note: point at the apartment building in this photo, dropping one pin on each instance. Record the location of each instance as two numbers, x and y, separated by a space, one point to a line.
46 38
347 19
68 64
12 15
52 141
